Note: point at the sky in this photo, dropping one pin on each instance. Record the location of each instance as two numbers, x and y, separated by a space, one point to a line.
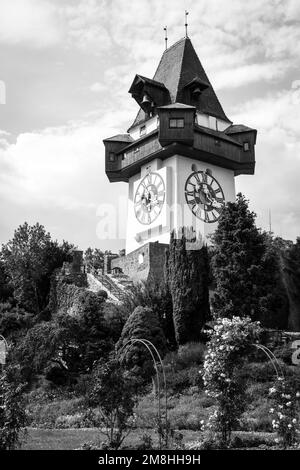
65 70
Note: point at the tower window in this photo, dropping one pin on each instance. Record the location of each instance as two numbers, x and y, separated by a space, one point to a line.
112 157
142 130
246 146
176 123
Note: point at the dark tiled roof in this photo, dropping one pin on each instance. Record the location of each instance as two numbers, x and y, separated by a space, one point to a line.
217 134
237 128
120 138
178 66
149 80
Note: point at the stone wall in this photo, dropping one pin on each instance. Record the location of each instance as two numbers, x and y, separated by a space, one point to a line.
66 288
143 263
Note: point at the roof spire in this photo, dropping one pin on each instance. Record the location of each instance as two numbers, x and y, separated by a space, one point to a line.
186 23
166 36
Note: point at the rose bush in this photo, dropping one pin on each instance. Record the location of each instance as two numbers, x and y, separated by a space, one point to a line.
285 412
230 342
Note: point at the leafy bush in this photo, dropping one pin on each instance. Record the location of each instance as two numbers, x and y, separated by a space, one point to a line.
190 354
12 410
154 295
226 354
143 323
285 412
258 372
179 380
257 416
240 440
45 412
87 419
112 393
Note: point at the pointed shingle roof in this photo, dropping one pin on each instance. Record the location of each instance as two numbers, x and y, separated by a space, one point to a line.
178 67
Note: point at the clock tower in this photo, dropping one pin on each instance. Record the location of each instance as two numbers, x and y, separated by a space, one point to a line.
179 157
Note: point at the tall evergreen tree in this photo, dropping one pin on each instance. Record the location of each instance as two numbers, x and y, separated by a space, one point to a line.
291 277
187 275
246 269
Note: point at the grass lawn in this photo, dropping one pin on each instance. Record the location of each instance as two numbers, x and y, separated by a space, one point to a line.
70 439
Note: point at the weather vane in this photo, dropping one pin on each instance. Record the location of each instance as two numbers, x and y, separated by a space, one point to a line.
166 36
186 23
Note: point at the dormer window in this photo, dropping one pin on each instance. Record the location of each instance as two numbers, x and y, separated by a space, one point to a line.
176 123
112 157
142 130
246 147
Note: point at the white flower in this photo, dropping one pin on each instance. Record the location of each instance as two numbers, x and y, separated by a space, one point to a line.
294 421
290 426
271 410
288 403
298 394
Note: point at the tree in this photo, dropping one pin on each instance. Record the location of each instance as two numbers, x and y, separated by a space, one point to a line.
273 300
155 295
291 277
94 338
143 323
5 288
14 321
67 344
245 265
187 275
12 409
29 260
112 392
94 258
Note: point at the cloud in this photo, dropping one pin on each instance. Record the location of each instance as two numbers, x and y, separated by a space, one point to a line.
241 76
56 174
59 171
275 185
97 87
29 22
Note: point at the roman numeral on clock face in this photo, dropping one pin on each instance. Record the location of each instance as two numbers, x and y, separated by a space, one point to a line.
203 193
149 198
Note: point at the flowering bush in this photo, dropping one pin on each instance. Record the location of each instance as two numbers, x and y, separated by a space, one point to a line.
227 350
284 412
12 410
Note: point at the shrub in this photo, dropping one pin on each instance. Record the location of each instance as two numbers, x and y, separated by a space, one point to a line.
112 392
285 412
12 410
191 354
143 323
226 354
257 417
154 295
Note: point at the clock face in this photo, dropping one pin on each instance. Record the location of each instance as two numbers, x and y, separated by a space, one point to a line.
149 198
204 196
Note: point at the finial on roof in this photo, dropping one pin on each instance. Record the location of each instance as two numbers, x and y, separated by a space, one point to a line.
166 36
186 23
